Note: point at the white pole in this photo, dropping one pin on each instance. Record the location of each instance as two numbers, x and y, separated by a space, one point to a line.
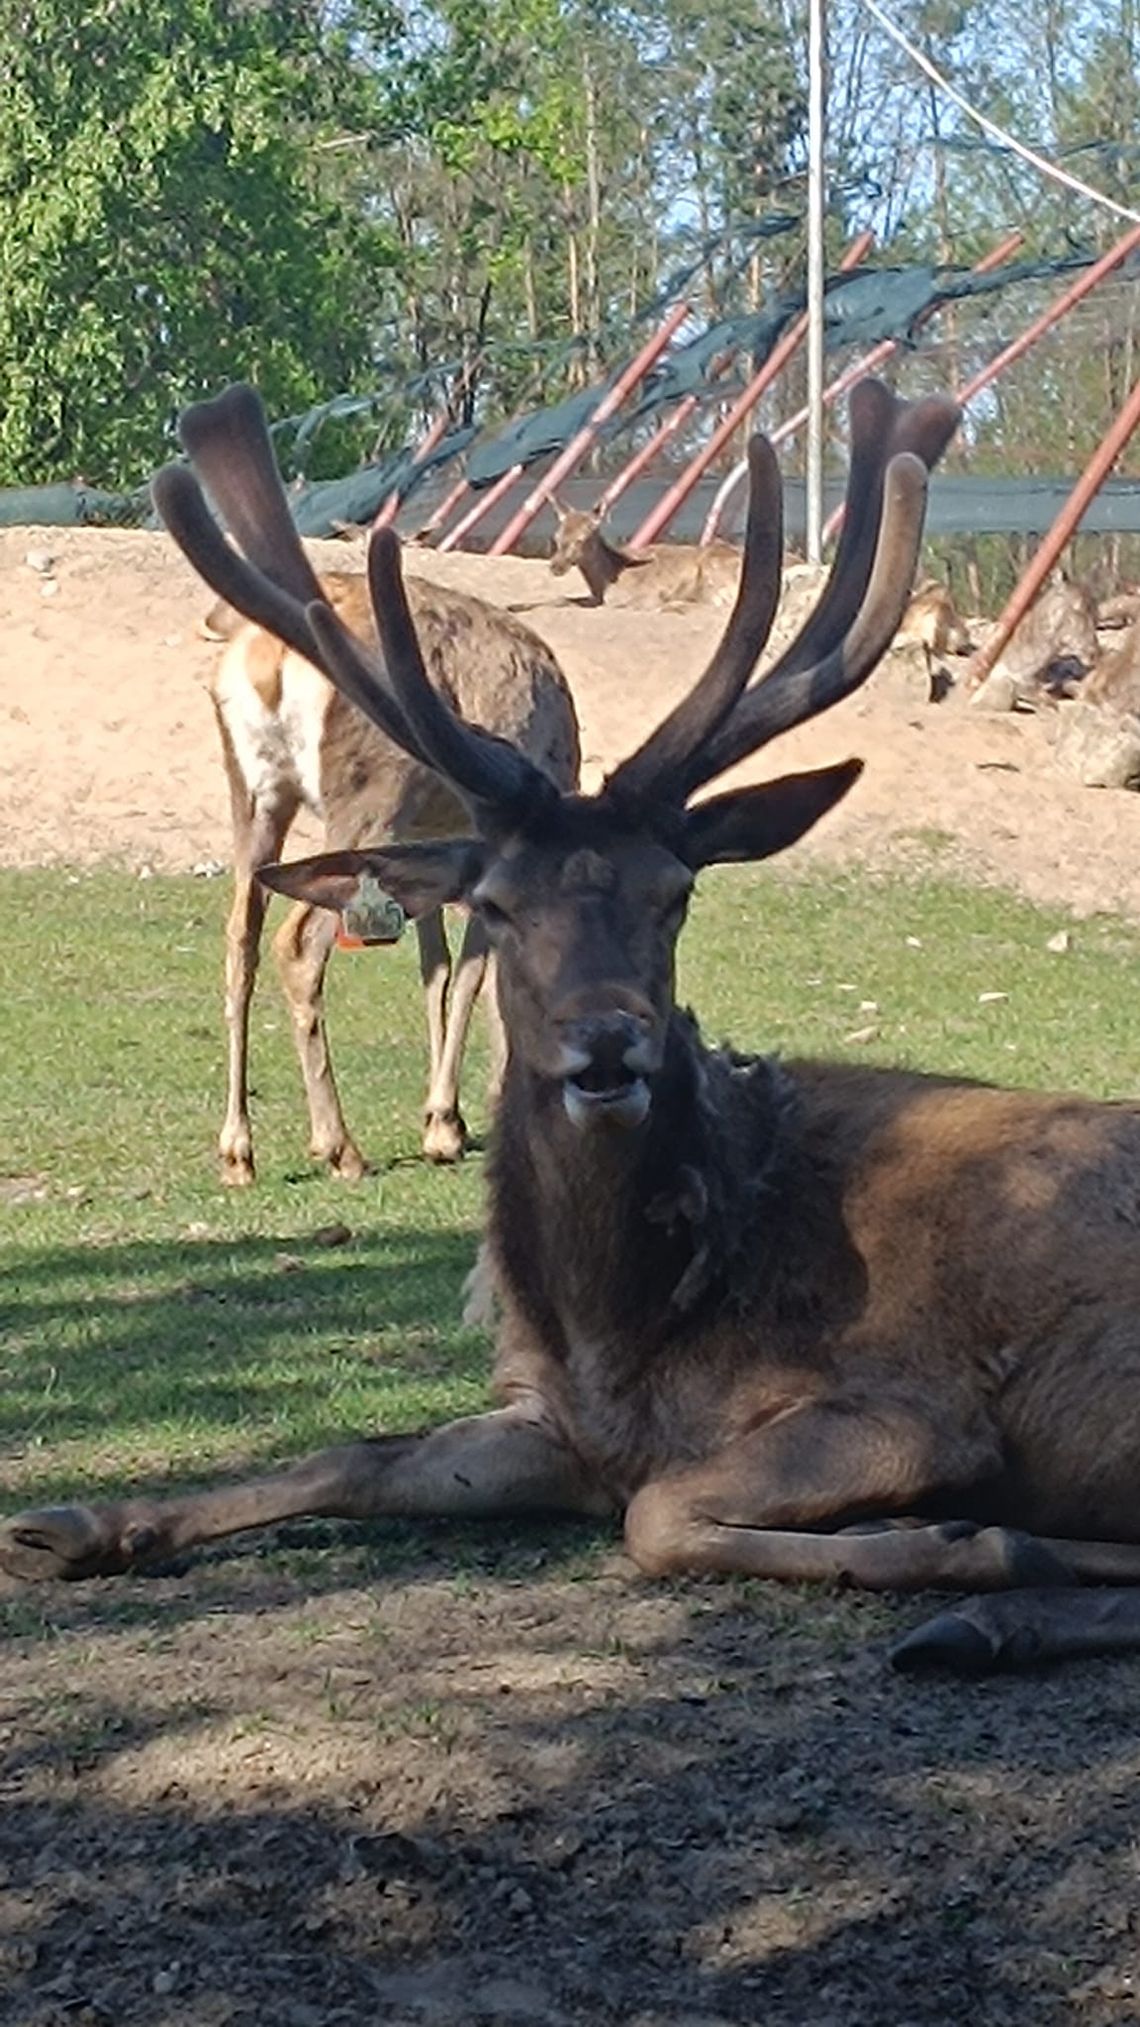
817 198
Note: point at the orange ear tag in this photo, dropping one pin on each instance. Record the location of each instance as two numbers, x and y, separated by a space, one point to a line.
371 917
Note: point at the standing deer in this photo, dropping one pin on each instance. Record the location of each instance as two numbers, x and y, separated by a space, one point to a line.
764 1309
290 740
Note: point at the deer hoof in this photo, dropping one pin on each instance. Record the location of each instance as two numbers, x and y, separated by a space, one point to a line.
347 1162
445 1136
950 1643
69 1542
236 1171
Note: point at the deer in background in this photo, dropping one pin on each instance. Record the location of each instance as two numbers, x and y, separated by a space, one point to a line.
793 1319
670 573
684 573
291 741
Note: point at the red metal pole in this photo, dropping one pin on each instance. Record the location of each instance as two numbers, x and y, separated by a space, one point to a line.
446 506
673 422
391 506
1064 303
647 453
1064 527
660 515
573 452
884 350
485 501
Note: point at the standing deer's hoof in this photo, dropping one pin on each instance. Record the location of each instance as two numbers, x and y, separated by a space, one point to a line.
235 1171
72 1542
445 1136
345 1161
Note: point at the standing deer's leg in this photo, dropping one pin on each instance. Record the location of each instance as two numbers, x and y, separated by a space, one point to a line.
302 946
509 1461
496 1034
442 1141
259 833
445 1134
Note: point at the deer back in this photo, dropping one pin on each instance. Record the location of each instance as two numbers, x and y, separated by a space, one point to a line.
283 719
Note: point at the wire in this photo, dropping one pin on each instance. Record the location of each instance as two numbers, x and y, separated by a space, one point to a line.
988 126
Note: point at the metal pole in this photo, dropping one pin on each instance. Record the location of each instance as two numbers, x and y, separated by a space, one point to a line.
1063 529
1056 310
817 202
850 374
573 452
745 402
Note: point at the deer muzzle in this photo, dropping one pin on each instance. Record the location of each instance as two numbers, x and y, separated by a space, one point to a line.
606 1063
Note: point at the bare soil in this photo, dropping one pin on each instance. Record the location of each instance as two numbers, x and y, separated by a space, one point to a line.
459 1777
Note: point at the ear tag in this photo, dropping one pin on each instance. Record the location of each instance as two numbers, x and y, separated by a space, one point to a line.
372 916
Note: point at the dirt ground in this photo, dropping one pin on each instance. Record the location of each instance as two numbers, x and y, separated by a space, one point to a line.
454 1779
108 748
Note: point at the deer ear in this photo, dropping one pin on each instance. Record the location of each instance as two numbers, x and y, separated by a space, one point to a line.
756 823
419 877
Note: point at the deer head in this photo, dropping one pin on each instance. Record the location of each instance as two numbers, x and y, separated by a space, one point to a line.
579 544
583 897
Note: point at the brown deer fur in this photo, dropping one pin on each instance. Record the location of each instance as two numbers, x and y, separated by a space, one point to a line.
792 1319
1115 681
931 620
290 741
669 573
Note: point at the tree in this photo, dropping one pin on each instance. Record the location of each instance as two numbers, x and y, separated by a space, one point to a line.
162 225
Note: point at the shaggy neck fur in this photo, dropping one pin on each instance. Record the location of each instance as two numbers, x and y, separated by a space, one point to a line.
638 1239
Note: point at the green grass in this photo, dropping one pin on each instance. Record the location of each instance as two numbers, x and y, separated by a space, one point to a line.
154 1326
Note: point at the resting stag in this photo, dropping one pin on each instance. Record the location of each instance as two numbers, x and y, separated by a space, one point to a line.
791 1319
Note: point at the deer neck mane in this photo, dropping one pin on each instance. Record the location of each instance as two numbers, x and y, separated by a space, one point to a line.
639 1236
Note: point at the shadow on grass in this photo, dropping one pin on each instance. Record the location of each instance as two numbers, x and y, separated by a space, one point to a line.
161 1345
148 1352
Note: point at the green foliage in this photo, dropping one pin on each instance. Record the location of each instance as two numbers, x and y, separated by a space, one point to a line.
364 196
161 227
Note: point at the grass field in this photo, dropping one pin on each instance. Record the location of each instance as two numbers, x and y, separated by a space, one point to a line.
156 1326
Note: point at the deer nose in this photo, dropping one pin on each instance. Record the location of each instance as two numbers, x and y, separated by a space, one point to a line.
608 1045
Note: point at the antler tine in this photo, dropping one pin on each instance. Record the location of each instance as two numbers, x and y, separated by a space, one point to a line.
182 507
227 441
881 427
920 430
657 767
492 771
771 706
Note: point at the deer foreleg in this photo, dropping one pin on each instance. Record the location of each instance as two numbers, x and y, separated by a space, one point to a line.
302 946
509 1461
259 834
443 1137
445 1134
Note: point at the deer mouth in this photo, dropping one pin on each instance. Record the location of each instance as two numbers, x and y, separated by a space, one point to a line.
604 1093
